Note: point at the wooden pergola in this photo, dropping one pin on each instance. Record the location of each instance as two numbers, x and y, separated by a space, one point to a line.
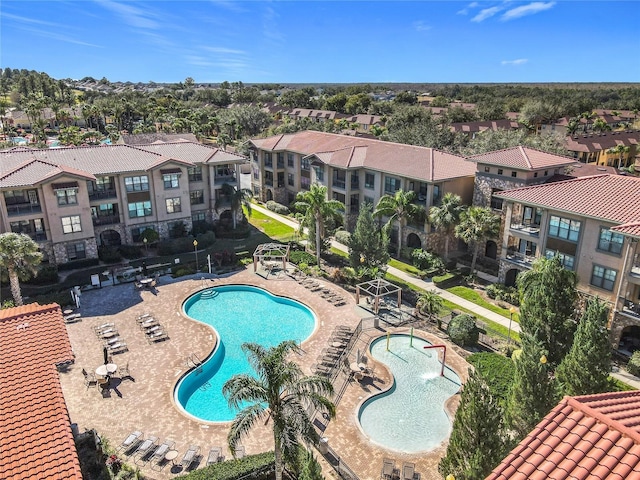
378 288
270 252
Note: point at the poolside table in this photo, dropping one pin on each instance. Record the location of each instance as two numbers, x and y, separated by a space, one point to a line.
108 369
171 456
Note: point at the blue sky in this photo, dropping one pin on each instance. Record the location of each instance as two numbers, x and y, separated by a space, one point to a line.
324 41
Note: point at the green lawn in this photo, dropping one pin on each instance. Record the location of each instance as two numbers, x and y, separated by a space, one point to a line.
405 267
337 251
271 227
473 296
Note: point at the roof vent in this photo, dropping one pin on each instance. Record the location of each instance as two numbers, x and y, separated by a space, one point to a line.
22 326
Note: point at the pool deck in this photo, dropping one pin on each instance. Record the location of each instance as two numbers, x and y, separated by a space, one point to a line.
145 401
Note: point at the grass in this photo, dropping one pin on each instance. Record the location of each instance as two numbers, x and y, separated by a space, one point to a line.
405 267
620 386
473 296
337 251
271 227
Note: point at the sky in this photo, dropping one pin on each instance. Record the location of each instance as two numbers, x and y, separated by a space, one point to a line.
308 41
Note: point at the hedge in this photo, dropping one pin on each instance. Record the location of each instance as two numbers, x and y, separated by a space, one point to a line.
257 467
497 370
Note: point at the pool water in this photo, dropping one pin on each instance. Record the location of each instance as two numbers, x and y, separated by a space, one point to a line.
239 314
409 417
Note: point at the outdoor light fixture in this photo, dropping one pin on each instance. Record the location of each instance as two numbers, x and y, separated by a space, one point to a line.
195 248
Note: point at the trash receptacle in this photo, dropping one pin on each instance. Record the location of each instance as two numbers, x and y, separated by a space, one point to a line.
323 445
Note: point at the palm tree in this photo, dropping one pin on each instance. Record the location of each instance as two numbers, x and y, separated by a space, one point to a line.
430 303
477 225
400 208
20 255
280 393
239 198
315 205
619 150
446 216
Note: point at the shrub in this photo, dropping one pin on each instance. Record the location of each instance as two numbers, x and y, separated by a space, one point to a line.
176 245
463 331
427 261
497 370
47 275
633 367
500 292
61 298
130 251
277 207
182 271
86 262
205 240
255 467
343 237
109 254
299 257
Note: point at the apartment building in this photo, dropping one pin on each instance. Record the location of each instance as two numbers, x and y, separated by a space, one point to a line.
357 170
599 148
72 200
592 223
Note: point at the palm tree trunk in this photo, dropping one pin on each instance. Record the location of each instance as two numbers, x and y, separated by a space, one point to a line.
318 240
473 260
278 456
399 238
15 286
446 246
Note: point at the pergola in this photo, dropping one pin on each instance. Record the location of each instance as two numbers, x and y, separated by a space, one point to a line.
271 252
378 288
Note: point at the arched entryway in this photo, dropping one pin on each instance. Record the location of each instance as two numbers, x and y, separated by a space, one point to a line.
269 195
491 250
510 277
629 340
413 241
110 238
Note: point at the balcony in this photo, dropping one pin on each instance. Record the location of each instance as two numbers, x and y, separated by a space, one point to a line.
221 179
635 269
105 220
342 184
521 258
530 229
23 209
103 194
631 308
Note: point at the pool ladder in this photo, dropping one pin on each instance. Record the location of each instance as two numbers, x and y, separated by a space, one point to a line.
209 294
194 362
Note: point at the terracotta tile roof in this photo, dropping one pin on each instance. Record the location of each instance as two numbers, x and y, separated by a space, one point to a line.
345 151
631 229
587 437
596 142
193 151
523 158
35 431
36 171
613 198
480 126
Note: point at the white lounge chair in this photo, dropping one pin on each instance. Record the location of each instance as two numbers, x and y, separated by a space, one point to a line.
161 451
189 456
215 455
145 448
129 442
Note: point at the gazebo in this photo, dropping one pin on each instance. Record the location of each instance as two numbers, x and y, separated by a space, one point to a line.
270 252
378 288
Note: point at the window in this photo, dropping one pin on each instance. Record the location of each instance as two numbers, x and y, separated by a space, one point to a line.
76 251
305 183
568 261
487 169
171 180
564 228
304 164
603 277
436 194
256 174
368 200
514 174
195 174
369 180
173 205
71 224
610 241
137 184
289 159
140 209
67 196
198 217
391 185
290 179
280 160
535 174
496 203
136 233
546 172
197 197
268 161
499 171
319 174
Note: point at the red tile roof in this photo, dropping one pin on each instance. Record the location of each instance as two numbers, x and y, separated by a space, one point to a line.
344 151
632 229
596 142
613 198
35 430
523 158
587 437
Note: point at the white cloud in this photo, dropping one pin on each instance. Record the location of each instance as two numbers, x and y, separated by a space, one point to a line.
420 26
466 9
133 16
530 9
229 51
518 61
486 13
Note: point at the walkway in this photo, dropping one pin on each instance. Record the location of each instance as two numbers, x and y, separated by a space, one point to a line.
425 285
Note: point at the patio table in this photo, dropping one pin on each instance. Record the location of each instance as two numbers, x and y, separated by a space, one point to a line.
107 369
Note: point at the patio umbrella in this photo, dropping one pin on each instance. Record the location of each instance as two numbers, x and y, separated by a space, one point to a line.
358 356
105 353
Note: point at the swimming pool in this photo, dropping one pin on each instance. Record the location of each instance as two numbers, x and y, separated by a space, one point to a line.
409 417
239 314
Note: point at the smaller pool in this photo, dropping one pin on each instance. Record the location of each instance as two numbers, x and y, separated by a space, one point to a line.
19 140
409 417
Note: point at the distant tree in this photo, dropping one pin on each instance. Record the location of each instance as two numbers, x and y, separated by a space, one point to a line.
477 225
368 245
446 216
547 301
585 369
405 97
599 125
358 103
492 109
492 140
297 98
478 441
20 255
336 102
399 208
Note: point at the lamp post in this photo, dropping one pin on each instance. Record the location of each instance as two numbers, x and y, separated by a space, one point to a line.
146 246
512 310
195 247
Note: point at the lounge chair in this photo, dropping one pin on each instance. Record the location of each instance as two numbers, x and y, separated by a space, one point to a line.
408 471
215 455
388 469
129 442
157 335
73 318
189 456
118 347
239 451
89 378
161 451
145 448
124 371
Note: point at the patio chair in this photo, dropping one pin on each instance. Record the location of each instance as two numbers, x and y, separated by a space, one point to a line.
408 470
388 469
103 384
215 456
89 378
145 449
322 370
239 452
189 456
161 451
129 442
124 371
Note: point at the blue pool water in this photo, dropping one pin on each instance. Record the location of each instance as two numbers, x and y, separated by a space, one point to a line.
410 417
239 314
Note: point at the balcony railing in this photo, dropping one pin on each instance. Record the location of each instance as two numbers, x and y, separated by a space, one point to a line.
631 308
102 194
220 179
635 269
23 209
520 258
531 229
355 185
37 236
106 220
339 183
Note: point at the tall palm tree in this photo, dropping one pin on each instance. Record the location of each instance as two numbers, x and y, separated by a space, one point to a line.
315 205
20 255
446 216
430 303
477 225
239 198
619 150
280 393
399 207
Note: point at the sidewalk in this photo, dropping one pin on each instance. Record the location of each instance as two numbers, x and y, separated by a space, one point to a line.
476 309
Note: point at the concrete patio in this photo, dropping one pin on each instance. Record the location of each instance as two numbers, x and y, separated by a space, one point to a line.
145 402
